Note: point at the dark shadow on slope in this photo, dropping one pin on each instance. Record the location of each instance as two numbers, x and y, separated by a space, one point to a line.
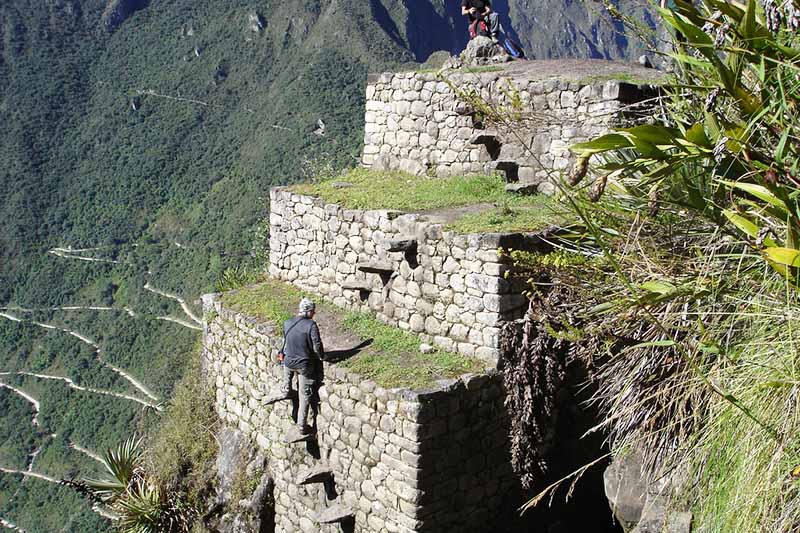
385 21
429 31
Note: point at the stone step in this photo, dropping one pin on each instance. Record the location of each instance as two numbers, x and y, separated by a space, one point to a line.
314 474
376 267
401 244
294 435
334 514
278 398
357 285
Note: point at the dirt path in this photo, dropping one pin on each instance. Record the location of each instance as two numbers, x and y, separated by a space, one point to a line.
71 384
98 353
58 252
180 322
10 525
87 452
26 474
181 301
335 338
10 317
30 399
71 308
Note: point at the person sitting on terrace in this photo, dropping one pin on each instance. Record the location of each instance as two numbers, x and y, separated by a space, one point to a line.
481 10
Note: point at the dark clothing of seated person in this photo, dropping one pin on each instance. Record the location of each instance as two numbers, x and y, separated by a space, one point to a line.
303 355
482 10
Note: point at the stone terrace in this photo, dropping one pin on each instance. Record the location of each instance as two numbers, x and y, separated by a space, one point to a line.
384 460
450 289
416 122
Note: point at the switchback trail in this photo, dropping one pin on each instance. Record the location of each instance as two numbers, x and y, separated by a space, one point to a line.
180 322
128 310
75 386
30 399
181 301
98 353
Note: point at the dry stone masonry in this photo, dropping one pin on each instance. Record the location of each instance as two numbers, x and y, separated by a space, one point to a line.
448 288
417 122
393 460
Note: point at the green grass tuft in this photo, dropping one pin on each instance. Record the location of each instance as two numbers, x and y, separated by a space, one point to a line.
521 214
183 450
403 191
271 300
394 359
406 192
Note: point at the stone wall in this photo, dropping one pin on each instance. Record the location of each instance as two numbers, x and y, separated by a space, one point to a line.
416 121
448 288
401 461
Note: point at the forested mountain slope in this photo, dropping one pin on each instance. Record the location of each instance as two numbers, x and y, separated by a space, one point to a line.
138 141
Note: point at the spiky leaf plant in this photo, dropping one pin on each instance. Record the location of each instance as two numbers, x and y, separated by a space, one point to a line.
138 501
692 289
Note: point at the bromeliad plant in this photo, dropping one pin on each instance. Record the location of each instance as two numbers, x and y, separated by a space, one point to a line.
138 502
730 149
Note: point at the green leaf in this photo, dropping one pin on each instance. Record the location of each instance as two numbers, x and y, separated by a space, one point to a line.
759 191
601 308
746 226
659 287
658 135
783 256
611 141
697 135
780 151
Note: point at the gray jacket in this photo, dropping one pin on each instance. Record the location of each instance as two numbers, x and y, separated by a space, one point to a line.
303 342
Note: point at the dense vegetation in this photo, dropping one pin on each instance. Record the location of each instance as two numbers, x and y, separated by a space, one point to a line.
686 266
152 147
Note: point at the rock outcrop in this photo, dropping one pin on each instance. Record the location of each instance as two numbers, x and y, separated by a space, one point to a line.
642 506
244 488
482 51
118 11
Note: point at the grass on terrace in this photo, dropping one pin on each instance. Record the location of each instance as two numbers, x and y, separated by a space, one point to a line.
497 211
392 360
